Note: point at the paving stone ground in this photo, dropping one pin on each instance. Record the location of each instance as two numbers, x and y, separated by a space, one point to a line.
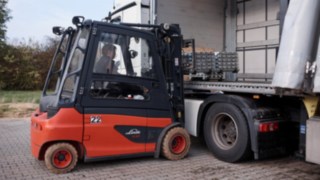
16 162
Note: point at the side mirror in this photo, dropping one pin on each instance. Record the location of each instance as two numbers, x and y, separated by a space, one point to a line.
57 30
77 20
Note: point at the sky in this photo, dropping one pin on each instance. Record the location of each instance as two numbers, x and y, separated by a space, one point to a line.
34 19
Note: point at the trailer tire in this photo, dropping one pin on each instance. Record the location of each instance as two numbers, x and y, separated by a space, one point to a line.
176 144
226 133
61 158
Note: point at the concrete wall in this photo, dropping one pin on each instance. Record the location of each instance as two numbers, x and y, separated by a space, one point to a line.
202 20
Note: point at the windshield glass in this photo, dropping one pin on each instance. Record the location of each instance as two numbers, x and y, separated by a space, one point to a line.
122 54
74 65
58 63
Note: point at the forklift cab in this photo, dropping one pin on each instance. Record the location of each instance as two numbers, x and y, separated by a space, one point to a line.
129 74
125 111
137 72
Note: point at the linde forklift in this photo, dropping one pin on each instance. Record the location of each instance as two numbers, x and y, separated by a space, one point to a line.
135 110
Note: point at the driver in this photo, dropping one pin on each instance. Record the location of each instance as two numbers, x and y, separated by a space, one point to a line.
106 64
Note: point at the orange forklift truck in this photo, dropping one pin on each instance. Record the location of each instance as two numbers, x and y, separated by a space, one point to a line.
134 108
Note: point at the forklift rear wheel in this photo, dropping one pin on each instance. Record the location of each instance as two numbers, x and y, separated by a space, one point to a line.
176 144
61 158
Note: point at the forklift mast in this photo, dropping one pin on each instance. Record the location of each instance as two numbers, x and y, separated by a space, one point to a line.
170 40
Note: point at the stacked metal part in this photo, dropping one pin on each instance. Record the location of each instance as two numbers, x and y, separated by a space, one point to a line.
226 61
210 65
204 62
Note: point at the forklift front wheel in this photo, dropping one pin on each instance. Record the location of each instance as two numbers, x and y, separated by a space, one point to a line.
61 158
176 144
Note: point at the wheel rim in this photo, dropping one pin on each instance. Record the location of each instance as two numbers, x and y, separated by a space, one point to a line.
224 131
178 144
61 159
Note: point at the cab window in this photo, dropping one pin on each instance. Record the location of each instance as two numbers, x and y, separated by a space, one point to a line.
123 55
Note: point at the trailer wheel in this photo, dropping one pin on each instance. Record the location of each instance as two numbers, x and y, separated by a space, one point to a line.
226 133
61 158
176 144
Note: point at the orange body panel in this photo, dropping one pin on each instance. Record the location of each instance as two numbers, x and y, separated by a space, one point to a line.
66 125
150 147
104 140
99 139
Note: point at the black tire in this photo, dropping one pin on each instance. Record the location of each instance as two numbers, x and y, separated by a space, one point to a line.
176 144
61 158
226 133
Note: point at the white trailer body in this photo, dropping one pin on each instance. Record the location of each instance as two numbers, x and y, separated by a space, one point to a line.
253 32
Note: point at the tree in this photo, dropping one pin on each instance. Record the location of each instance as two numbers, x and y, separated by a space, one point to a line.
4 17
25 66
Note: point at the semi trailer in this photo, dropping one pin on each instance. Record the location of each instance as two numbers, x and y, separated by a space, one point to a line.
268 104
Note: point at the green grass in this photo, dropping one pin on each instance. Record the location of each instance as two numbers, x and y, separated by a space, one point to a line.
20 96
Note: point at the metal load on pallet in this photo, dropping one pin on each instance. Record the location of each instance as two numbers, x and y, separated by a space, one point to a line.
210 65
227 61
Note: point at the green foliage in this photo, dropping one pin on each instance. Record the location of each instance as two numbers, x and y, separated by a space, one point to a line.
4 17
25 66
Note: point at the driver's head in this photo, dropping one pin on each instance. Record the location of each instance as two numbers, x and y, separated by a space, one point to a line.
109 50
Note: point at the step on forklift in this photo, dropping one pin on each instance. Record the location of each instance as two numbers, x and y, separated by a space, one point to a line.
112 91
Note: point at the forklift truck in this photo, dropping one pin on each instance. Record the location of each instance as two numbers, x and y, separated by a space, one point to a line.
138 110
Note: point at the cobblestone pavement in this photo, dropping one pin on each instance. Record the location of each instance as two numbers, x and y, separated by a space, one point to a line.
16 162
